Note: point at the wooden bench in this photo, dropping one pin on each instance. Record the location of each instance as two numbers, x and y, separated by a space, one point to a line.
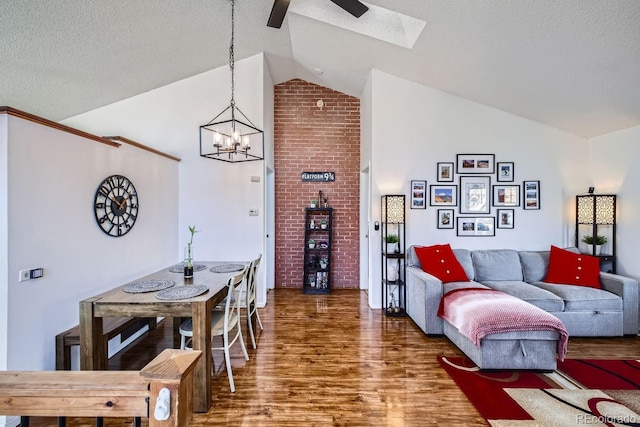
111 327
104 393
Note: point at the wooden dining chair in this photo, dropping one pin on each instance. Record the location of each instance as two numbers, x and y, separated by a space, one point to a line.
249 301
223 323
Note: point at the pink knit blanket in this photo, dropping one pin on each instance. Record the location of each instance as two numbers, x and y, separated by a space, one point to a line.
477 313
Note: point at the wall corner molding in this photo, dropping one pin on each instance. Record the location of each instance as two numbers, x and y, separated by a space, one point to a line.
128 141
55 125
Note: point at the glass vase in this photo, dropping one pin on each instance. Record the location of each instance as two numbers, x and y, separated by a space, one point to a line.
188 262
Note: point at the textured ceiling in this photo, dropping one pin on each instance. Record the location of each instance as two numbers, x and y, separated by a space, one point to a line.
572 64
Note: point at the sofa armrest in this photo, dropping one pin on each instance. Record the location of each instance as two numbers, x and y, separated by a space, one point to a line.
627 289
424 293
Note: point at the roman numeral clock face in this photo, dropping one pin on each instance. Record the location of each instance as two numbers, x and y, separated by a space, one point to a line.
116 205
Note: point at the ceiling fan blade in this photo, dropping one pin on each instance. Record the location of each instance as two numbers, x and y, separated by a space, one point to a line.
354 7
278 11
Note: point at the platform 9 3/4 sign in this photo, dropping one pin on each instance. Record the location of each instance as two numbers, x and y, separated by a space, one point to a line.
318 176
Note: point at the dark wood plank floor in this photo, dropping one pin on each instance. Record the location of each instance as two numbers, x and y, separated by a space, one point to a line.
332 361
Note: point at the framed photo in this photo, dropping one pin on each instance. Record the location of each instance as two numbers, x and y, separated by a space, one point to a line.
445 218
505 218
474 194
505 172
445 171
444 195
506 195
476 226
475 163
531 195
418 194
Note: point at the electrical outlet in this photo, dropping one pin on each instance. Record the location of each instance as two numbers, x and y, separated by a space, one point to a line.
24 275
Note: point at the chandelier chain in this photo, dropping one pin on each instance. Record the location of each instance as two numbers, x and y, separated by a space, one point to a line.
231 52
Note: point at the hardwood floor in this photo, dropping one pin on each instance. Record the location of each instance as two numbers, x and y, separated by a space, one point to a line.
332 361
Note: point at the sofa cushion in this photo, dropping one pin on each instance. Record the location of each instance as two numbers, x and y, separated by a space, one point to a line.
584 298
566 267
534 295
412 258
496 264
452 286
534 265
464 258
439 261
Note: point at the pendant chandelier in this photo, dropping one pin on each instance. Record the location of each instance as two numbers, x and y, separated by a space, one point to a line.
231 136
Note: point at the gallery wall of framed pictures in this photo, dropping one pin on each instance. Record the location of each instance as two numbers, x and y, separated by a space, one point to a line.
484 193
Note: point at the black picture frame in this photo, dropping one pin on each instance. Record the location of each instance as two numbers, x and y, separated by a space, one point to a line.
505 172
505 218
445 172
506 195
476 164
530 195
475 226
418 194
475 195
446 218
443 195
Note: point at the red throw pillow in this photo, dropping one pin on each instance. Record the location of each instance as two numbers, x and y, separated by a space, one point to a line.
439 261
570 268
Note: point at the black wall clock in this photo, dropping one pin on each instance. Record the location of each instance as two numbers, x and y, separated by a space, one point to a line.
116 205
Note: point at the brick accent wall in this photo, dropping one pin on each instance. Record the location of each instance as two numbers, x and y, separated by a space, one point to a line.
310 139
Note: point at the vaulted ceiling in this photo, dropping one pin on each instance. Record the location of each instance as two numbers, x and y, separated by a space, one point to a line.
572 64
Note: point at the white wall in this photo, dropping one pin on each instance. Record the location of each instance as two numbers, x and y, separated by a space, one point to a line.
4 243
413 127
369 243
613 167
53 176
267 270
214 196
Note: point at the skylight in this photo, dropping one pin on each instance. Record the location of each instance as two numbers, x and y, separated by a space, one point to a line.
378 22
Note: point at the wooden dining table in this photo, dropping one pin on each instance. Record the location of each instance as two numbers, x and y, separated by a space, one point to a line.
118 303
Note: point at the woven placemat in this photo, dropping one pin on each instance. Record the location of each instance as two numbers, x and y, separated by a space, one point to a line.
182 292
227 268
179 268
141 286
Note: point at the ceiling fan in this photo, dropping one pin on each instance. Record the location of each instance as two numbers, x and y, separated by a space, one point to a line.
279 9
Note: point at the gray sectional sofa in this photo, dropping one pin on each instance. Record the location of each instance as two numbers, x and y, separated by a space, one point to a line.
610 311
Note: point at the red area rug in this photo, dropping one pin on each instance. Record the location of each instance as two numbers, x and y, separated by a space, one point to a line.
579 392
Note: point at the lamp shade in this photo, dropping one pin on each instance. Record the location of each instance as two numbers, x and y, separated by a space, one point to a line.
596 209
393 209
